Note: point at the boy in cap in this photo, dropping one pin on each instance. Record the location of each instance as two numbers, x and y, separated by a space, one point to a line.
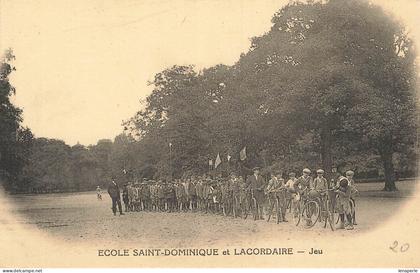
291 182
125 197
161 195
292 194
320 183
136 203
98 193
304 182
235 188
282 196
349 176
303 185
199 192
274 191
145 195
353 193
343 203
130 190
192 193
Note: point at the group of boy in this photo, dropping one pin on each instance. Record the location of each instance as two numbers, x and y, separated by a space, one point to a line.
234 195
342 187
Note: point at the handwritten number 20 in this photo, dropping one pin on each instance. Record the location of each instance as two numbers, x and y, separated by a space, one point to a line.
402 248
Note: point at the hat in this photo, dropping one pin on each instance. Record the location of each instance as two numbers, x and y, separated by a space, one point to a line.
320 171
306 170
292 174
349 173
343 181
256 169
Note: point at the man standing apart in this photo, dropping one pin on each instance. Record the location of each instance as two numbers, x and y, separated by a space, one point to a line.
256 184
114 193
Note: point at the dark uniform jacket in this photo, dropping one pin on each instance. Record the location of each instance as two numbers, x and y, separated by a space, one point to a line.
257 186
114 190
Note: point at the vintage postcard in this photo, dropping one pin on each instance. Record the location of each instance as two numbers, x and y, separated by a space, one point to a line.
209 133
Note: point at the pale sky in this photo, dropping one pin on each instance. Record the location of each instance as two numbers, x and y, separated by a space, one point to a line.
83 66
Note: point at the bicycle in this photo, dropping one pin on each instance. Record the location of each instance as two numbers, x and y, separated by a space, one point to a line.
235 206
254 206
245 203
327 208
276 204
352 211
307 209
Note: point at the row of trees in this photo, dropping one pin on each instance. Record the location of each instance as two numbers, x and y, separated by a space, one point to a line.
331 84
54 166
29 164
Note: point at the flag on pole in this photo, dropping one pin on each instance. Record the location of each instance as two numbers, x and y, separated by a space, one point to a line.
217 161
242 154
228 157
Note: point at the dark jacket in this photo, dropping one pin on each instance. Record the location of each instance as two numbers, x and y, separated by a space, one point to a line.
257 186
114 190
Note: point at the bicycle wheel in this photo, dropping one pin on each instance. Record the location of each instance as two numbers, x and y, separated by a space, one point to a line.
254 209
245 210
271 205
352 211
335 211
235 207
296 213
245 207
311 213
278 210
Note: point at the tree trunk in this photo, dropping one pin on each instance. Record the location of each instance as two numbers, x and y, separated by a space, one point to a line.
386 153
326 143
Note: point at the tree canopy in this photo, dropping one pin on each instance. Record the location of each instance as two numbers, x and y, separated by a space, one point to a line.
330 84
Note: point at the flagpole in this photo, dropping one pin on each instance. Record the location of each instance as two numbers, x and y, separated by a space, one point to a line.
170 161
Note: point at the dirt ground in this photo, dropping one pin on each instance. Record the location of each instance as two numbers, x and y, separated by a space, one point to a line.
80 217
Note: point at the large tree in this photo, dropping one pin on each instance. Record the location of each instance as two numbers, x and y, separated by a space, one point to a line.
341 69
15 140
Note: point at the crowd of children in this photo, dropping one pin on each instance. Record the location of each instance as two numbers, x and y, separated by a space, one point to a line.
233 196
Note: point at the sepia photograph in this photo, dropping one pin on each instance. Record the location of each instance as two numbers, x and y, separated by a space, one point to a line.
209 133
